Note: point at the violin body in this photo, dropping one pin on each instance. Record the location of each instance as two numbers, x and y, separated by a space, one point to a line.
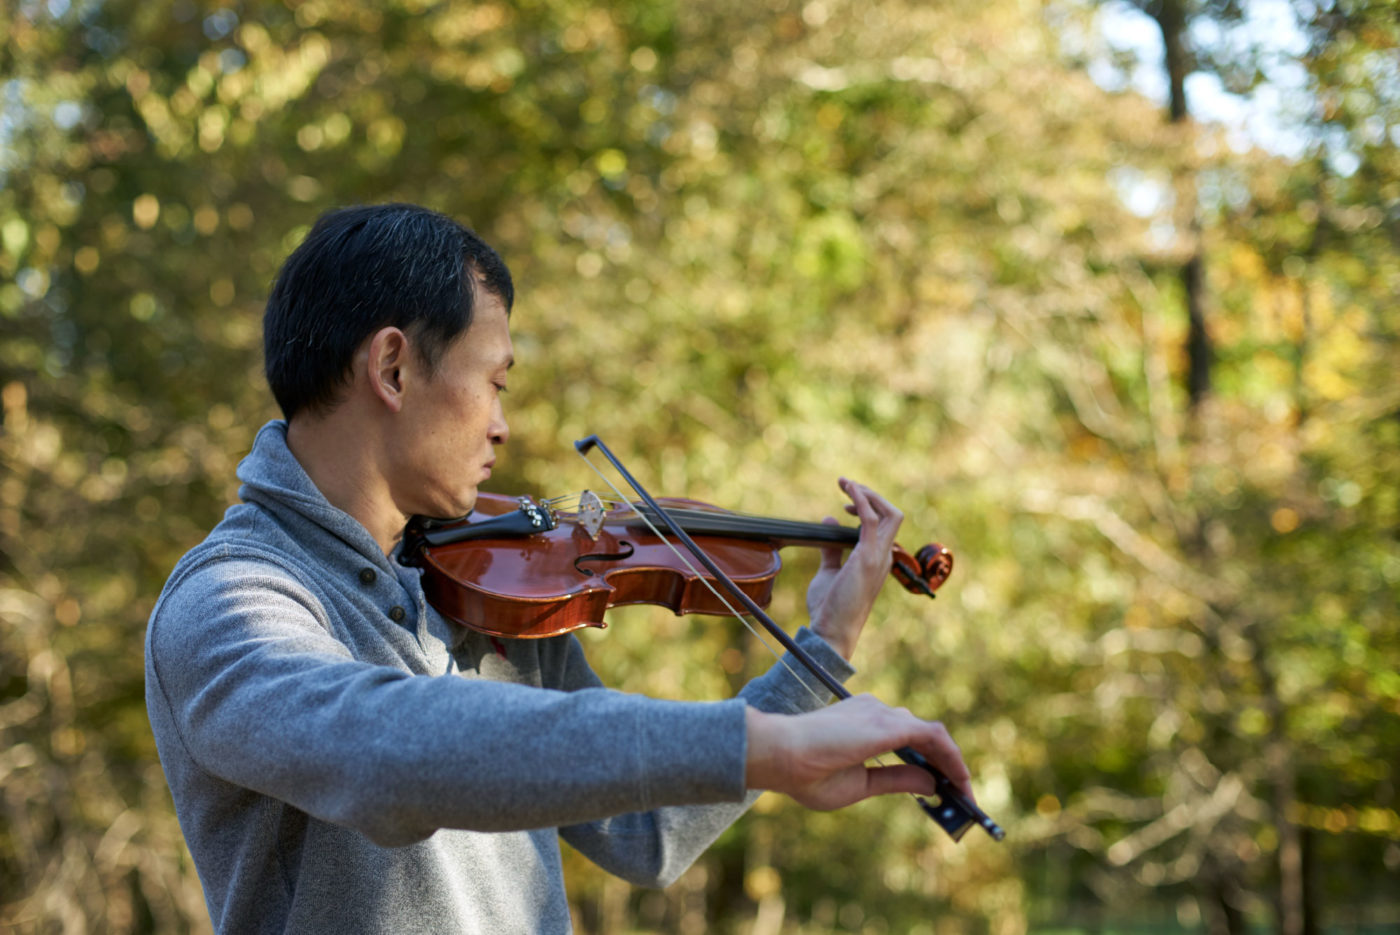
519 569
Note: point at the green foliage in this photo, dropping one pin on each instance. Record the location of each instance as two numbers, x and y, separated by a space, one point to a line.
758 246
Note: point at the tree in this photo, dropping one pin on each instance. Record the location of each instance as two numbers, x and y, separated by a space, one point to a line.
758 246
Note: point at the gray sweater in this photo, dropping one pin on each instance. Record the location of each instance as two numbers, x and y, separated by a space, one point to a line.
342 759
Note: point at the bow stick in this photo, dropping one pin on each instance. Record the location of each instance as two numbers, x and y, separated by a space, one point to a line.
953 811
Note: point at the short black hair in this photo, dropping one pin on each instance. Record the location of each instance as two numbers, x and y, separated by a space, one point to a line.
365 268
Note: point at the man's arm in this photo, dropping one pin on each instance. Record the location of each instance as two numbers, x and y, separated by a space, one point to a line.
251 686
655 847
817 757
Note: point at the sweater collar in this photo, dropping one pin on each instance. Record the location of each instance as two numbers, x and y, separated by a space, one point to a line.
275 480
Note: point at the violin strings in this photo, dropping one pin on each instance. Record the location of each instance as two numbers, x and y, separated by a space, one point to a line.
714 522
710 585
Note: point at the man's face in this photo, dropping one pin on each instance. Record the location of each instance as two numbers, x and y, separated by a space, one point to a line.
453 420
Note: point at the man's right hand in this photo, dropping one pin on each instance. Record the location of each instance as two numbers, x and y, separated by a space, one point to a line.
818 758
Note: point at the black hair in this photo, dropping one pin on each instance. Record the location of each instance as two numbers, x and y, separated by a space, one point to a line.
365 268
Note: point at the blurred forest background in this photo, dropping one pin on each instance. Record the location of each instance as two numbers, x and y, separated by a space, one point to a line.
1137 370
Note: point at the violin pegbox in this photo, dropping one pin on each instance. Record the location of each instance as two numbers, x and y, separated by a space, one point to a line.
591 513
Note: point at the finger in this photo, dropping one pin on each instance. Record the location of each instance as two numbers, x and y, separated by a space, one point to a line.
899 777
879 503
883 517
939 749
930 738
884 509
831 554
861 505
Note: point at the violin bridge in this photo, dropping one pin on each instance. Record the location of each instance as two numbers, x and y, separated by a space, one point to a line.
591 513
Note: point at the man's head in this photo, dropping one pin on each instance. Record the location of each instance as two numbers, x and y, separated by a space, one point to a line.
366 268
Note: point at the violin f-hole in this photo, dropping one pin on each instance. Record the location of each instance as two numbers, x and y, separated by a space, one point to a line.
602 557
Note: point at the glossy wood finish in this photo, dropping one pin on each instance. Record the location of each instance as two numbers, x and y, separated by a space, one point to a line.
563 579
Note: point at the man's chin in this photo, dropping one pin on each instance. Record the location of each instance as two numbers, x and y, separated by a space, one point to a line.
447 510
466 502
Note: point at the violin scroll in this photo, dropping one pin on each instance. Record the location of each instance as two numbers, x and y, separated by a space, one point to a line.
925 571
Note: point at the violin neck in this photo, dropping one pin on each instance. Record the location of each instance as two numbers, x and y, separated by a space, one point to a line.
786 532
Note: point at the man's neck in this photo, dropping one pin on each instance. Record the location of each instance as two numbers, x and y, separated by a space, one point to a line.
340 458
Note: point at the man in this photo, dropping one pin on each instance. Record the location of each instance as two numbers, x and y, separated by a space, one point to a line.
342 758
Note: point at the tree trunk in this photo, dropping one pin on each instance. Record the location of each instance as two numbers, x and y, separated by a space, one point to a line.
1221 899
1199 353
1291 892
1171 19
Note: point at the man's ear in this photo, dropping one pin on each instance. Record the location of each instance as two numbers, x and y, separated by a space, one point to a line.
387 350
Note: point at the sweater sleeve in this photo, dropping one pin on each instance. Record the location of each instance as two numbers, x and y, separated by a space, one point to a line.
252 687
653 848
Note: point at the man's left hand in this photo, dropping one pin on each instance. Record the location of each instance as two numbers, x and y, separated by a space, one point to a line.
841 594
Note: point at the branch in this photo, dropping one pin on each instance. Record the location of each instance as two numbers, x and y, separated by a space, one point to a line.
1140 548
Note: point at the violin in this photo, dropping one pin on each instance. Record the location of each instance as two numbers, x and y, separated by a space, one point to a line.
526 570
521 568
